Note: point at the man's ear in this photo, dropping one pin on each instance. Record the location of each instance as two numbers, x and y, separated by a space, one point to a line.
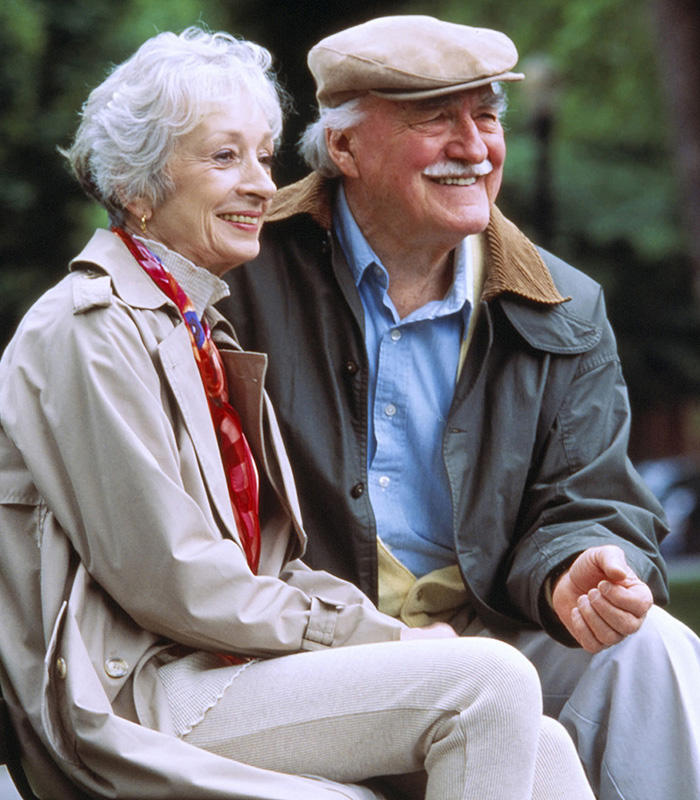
341 151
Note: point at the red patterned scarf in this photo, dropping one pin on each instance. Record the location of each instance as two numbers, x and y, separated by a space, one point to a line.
239 466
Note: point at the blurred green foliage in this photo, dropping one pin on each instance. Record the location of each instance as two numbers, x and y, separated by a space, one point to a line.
684 598
610 189
52 52
589 170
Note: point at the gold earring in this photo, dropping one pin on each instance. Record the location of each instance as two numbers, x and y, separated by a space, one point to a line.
143 222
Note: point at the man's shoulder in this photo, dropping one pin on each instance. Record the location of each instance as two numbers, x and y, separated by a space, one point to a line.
571 281
312 196
573 326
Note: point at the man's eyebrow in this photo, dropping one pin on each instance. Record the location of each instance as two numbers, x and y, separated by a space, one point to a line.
432 103
486 98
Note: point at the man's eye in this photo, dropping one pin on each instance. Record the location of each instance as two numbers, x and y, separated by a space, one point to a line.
434 119
267 160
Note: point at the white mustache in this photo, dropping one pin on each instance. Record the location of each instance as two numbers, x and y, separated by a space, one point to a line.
453 168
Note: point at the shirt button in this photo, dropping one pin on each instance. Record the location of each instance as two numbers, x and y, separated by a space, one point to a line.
116 667
390 410
357 490
378 271
395 335
61 668
384 481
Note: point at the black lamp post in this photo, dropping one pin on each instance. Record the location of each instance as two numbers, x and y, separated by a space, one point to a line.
541 92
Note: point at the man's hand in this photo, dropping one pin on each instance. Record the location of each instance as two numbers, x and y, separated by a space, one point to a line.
599 598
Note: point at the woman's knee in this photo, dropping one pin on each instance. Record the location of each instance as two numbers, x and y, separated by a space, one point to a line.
556 741
496 672
513 678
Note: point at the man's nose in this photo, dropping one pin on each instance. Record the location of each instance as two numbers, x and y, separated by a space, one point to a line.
466 142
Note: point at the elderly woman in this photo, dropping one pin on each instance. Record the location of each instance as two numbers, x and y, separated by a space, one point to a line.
160 636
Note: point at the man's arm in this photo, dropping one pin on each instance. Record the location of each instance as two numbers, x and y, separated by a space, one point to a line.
587 515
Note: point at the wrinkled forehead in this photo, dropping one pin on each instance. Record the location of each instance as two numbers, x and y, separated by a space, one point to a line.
481 97
489 97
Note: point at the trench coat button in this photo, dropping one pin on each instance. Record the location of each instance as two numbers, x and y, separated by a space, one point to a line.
61 668
351 367
116 667
357 490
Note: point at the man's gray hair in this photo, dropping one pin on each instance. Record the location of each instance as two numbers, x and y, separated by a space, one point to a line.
312 144
132 120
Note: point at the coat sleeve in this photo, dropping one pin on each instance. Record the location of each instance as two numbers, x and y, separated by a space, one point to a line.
583 490
89 410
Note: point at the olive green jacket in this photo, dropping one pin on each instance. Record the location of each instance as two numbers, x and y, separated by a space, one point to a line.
535 445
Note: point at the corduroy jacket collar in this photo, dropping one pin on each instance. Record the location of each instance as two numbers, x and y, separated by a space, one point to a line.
513 265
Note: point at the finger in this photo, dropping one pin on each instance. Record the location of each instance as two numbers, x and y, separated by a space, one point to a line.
635 598
601 630
622 621
612 563
582 633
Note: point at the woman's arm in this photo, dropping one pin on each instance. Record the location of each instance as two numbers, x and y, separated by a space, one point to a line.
93 418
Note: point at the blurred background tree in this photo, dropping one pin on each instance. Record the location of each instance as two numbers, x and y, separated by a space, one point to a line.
611 92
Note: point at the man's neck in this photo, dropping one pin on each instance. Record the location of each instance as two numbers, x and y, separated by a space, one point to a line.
412 285
419 271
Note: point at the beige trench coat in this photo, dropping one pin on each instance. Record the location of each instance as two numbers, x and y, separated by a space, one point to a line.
118 539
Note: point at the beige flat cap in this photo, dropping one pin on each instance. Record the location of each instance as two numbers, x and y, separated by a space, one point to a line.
407 58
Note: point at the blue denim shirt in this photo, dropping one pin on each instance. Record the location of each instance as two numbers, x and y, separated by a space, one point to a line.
413 366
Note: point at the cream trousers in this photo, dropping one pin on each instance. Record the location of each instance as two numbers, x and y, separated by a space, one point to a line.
467 711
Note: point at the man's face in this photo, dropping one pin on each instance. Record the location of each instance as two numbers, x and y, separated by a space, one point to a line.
424 171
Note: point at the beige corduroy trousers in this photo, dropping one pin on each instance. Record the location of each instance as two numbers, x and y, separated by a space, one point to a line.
467 711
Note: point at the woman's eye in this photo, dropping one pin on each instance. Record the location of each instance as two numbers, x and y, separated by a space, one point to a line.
225 156
267 160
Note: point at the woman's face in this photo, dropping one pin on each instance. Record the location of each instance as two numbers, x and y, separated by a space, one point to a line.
221 172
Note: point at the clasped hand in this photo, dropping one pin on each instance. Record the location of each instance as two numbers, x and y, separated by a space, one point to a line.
600 599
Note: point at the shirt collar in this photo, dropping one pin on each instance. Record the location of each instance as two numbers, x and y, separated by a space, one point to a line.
512 263
357 250
201 286
360 257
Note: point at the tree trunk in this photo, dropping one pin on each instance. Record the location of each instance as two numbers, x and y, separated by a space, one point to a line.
677 29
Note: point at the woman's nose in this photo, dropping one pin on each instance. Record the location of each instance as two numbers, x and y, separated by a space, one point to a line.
258 180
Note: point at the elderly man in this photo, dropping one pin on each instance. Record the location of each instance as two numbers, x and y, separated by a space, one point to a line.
452 399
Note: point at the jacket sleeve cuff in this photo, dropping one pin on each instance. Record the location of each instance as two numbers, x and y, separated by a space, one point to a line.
320 632
335 624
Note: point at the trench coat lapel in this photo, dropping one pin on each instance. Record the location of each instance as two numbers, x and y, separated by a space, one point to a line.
186 384
246 375
245 372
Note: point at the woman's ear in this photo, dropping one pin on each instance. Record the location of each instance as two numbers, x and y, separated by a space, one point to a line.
141 213
340 145
139 209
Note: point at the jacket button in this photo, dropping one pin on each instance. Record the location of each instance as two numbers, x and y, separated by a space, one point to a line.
351 367
61 668
116 667
357 490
